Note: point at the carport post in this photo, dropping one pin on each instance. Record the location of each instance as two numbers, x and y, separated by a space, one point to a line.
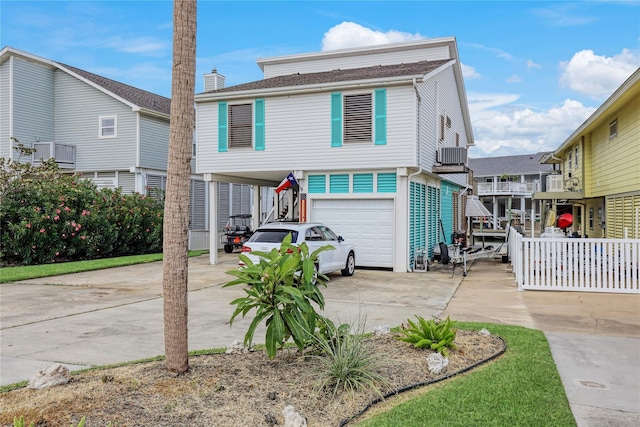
213 222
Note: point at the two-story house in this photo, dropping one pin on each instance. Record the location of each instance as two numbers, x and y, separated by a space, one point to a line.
111 133
375 136
600 168
505 185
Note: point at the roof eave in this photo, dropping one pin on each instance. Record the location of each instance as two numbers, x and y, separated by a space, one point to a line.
297 90
591 121
354 51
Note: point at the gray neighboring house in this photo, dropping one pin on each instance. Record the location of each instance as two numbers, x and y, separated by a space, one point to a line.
111 133
508 182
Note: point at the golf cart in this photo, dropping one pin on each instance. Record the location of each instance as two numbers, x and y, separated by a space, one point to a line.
236 232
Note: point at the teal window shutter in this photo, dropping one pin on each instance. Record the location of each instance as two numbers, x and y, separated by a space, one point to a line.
317 184
336 119
258 124
339 183
363 183
381 116
223 135
387 182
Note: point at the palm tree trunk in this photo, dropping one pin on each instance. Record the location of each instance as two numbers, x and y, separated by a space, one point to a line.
177 197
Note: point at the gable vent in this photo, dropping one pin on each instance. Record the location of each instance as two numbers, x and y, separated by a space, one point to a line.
357 118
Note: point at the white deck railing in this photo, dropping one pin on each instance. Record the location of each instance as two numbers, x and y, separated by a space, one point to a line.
516 188
567 264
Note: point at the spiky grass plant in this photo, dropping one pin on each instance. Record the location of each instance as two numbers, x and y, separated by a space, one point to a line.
437 336
347 360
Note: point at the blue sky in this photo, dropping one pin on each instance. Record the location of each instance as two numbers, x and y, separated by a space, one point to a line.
534 70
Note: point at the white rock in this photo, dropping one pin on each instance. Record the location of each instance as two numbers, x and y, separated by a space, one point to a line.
436 363
292 418
381 330
485 332
236 348
50 376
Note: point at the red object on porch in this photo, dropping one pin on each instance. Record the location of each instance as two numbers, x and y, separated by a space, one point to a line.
565 220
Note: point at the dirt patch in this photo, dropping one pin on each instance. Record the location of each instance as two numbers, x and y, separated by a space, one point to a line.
228 390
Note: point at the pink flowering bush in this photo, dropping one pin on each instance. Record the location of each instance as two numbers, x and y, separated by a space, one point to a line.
47 216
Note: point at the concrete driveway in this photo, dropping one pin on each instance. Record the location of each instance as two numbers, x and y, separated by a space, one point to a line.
115 315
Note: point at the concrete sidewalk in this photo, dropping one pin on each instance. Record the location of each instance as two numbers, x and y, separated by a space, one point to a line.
115 315
594 338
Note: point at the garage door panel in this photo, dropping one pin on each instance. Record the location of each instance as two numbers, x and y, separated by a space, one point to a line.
368 224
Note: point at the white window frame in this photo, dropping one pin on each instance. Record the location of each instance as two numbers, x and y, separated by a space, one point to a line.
102 127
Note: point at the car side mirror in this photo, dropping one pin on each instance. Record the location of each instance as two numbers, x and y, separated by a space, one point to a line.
340 239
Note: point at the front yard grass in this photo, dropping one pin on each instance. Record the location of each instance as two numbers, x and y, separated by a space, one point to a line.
522 388
14 274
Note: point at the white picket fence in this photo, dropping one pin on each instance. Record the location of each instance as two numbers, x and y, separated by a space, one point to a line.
575 264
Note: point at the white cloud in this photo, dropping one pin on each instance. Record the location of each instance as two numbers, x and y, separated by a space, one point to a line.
501 128
531 64
469 72
350 34
513 79
598 76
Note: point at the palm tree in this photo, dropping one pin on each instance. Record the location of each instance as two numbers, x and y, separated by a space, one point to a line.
176 208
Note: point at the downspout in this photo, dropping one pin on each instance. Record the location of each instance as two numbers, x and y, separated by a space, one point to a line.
419 171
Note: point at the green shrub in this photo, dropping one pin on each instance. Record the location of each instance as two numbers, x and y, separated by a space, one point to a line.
282 287
48 216
430 334
347 362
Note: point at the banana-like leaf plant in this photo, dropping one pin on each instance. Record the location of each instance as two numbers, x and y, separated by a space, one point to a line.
282 288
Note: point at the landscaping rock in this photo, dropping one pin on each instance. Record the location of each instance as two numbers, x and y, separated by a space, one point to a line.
292 418
50 376
381 330
437 363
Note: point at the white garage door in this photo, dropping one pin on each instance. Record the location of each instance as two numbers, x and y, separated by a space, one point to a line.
368 224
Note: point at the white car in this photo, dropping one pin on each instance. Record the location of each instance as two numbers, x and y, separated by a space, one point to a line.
315 235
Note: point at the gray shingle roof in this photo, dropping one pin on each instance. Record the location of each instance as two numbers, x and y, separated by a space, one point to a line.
139 97
525 164
334 76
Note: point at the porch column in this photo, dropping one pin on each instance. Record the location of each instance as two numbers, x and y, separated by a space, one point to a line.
255 207
401 214
213 222
495 214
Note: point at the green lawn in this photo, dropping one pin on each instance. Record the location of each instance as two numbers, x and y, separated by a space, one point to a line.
13 274
521 388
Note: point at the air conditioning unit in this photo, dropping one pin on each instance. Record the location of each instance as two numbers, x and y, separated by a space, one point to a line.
555 183
453 156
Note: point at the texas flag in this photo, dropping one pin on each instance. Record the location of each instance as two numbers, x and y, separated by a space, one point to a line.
289 181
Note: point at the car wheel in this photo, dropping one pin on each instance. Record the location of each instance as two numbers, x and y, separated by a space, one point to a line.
350 267
228 249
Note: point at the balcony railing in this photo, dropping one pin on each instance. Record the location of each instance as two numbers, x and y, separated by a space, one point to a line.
63 154
504 188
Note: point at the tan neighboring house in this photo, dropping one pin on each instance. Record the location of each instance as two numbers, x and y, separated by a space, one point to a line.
599 163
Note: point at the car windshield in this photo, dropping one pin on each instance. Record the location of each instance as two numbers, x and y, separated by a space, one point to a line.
273 236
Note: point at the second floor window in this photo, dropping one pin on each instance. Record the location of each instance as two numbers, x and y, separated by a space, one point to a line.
107 127
240 125
357 118
613 129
